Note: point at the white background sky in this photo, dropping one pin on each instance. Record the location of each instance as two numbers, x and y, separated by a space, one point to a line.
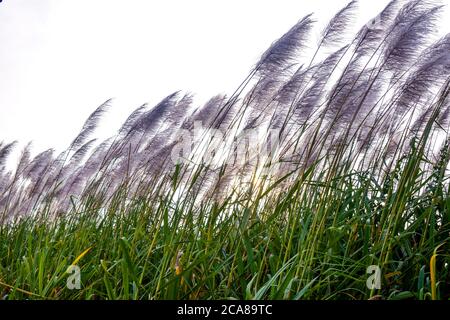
60 59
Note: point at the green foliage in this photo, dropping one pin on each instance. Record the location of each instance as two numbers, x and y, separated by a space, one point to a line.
314 242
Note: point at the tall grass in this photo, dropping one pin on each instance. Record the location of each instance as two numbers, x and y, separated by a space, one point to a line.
308 174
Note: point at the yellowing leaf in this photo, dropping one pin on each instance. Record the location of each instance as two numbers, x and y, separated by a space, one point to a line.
81 256
433 272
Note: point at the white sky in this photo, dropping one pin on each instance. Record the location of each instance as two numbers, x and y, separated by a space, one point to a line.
60 59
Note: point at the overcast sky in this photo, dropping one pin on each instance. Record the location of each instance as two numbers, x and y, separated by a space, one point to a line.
60 59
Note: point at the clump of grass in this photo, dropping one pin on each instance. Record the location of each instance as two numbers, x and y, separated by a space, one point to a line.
344 166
